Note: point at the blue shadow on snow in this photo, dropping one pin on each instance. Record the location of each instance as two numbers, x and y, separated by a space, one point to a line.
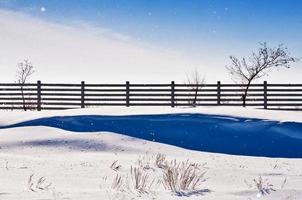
211 133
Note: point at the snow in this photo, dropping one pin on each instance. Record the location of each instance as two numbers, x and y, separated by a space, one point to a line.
77 163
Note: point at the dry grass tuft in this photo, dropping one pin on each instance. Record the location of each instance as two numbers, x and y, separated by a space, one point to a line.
38 184
183 177
263 186
118 183
140 180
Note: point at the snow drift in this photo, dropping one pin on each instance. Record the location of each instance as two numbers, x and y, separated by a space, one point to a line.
195 131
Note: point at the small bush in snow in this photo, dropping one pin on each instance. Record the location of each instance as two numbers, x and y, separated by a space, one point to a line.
118 182
183 177
140 180
38 184
263 186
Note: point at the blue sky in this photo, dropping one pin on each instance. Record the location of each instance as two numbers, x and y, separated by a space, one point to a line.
182 24
209 30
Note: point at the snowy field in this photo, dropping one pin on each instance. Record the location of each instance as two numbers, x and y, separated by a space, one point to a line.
72 154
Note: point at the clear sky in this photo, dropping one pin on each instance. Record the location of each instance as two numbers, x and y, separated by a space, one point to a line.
184 21
217 28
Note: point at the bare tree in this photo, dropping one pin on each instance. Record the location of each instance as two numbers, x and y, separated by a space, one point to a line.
258 65
24 70
195 82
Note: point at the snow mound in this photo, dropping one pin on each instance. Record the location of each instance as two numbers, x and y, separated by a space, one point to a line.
202 132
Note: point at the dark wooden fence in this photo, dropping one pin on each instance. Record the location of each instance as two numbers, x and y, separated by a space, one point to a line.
64 96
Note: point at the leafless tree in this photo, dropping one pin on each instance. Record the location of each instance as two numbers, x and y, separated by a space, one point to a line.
258 65
195 82
24 70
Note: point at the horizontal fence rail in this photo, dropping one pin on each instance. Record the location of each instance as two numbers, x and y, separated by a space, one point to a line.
51 96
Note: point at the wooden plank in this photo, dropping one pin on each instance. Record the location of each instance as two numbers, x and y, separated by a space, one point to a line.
279 99
61 94
241 85
10 108
265 95
60 99
215 100
105 85
284 95
194 85
18 94
17 98
193 90
215 95
149 85
284 104
150 95
284 90
106 99
18 84
61 89
127 93
60 85
105 95
58 108
172 94
105 104
62 103
284 85
18 103
218 92
151 104
150 99
149 90
17 89
38 95
241 90
82 94
104 90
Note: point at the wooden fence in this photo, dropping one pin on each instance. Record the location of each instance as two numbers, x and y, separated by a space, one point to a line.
46 96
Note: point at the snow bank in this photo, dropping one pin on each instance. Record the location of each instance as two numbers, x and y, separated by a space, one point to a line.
196 129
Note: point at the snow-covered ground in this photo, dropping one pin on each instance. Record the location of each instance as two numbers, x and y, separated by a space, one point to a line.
77 165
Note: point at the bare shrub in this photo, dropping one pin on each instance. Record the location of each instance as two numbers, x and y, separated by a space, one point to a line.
38 184
140 180
182 177
259 64
195 82
24 70
117 183
263 186
30 182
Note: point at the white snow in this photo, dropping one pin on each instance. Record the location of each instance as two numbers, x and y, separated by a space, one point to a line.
77 165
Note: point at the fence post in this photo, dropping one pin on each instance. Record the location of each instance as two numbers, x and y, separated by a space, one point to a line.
218 92
172 94
83 94
127 93
265 95
39 95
